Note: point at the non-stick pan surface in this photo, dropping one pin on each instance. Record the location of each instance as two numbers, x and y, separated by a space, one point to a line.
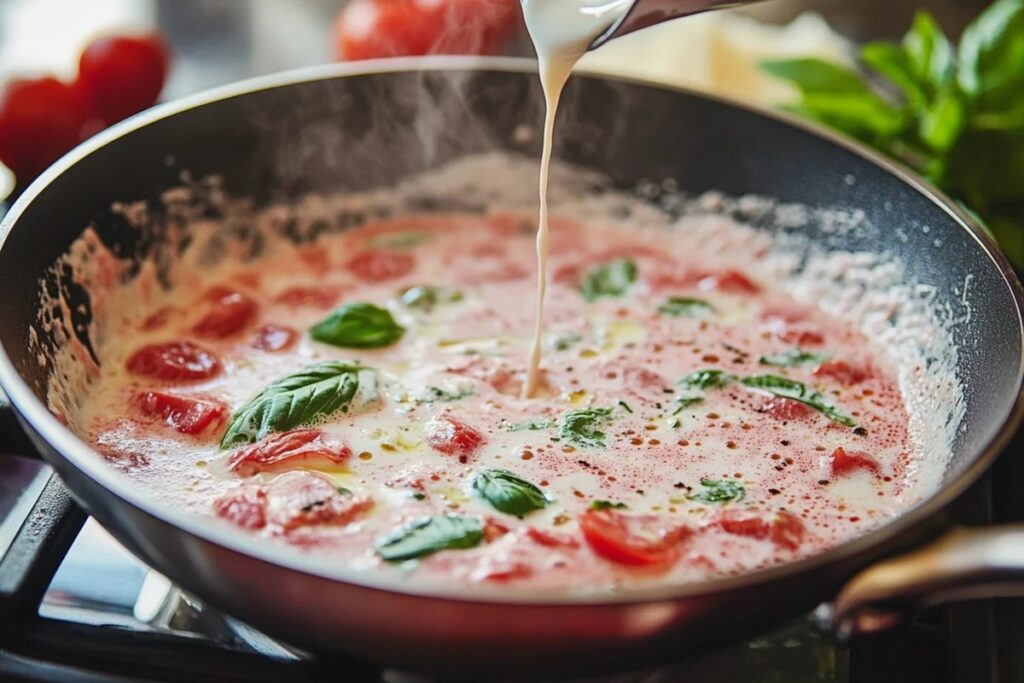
346 128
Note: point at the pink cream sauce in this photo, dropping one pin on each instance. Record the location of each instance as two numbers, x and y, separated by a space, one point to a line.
740 481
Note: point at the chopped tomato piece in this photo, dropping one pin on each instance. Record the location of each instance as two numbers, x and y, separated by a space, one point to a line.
844 463
229 313
314 296
501 570
640 540
246 506
843 372
786 409
493 530
378 266
273 338
297 499
746 524
787 530
731 281
801 336
185 414
289 450
549 539
180 360
453 437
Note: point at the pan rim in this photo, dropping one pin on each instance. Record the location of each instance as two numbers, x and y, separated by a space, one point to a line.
83 458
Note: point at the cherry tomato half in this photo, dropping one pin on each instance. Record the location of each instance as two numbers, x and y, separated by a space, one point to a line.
40 120
640 540
122 75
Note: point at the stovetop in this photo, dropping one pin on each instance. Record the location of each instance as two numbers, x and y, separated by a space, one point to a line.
86 610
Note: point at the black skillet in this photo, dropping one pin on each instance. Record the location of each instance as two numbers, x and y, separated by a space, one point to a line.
346 128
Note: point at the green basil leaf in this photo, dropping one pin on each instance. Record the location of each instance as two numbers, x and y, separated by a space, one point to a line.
943 120
707 379
866 117
582 427
794 358
358 326
296 400
430 535
686 307
607 505
508 493
398 240
612 279
892 62
797 391
719 491
434 394
425 298
929 51
684 402
817 76
532 425
991 66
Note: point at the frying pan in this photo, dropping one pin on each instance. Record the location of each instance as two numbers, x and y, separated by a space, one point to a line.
348 128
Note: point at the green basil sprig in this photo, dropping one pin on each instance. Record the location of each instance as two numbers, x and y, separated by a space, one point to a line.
582 427
719 491
508 493
598 505
296 400
797 391
430 535
611 280
426 298
358 326
793 358
686 307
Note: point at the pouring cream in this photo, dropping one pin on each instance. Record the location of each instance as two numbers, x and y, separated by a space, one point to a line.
561 31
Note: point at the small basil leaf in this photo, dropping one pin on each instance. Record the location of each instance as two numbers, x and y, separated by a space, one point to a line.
719 491
430 535
797 391
508 493
434 394
426 299
358 326
684 402
296 400
607 505
532 425
992 53
707 379
929 51
892 62
581 427
817 76
612 279
686 307
866 117
793 358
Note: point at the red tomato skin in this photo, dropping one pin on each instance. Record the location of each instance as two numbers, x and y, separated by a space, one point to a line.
279 452
801 337
371 29
173 361
122 75
380 265
453 437
229 313
843 463
40 120
787 530
611 535
786 409
842 372
731 281
246 507
273 338
744 524
186 415
549 539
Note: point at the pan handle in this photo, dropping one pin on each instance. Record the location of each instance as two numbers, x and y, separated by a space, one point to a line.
13 440
962 564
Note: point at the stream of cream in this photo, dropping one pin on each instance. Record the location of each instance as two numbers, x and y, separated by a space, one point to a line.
561 31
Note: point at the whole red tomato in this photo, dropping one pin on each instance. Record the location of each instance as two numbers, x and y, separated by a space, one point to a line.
40 119
368 29
122 75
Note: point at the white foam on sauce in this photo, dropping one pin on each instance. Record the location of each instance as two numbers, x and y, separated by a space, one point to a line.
561 31
867 292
